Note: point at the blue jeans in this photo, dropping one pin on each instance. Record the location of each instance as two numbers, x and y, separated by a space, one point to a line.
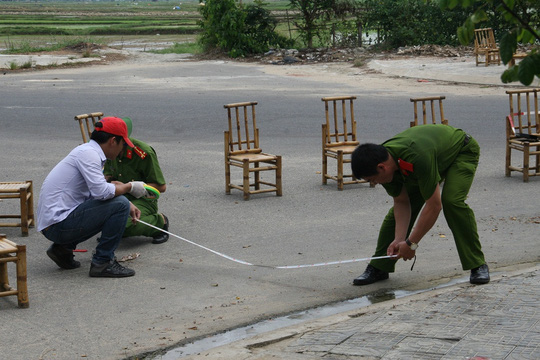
91 217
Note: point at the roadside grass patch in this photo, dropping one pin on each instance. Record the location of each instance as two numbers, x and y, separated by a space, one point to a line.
181 48
26 47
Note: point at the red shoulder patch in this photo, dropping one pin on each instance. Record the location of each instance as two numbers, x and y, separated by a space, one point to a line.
405 167
139 152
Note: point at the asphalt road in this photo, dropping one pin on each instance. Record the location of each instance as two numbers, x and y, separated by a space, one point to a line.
181 292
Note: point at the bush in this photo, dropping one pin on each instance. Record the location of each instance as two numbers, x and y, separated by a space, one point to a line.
238 30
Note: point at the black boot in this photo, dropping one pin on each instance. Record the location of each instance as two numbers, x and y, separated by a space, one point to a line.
162 237
480 275
370 276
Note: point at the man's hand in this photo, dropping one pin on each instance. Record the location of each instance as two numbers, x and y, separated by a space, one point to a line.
401 250
134 212
137 189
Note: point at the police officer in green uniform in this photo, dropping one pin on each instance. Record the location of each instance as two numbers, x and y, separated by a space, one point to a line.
140 163
411 167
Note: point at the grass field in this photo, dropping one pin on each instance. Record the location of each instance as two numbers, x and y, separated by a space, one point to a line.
50 25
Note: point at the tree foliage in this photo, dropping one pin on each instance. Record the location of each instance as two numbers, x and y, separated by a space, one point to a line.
313 15
239 30
412 22
522 18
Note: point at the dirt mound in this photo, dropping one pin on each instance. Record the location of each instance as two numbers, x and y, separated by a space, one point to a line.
322 55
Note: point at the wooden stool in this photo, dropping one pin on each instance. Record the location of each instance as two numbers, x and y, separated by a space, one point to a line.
23 191
11 252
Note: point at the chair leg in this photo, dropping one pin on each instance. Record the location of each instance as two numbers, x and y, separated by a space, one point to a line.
257 177
22 289
227 178
279 191
4 281
24 211
324 168
31 204
324 157
508 160
340 170
245 185
526 150
537 158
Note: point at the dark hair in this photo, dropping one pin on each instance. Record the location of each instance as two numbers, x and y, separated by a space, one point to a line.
102 137
365 158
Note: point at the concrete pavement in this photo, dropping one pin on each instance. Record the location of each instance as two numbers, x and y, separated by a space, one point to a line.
425 68
499 320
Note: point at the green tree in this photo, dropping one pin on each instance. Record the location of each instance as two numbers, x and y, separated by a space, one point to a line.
314 14
522 16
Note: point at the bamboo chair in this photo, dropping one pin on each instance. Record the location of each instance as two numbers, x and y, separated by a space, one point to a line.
242 150
339 138
523 131
24 191
431 100
11 252
87 122
486 47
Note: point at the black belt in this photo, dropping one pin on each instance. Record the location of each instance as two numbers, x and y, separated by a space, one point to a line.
466 139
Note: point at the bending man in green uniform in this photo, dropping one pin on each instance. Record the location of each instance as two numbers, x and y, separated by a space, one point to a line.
411 166
141 164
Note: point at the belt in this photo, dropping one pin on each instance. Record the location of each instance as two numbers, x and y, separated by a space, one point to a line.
466 139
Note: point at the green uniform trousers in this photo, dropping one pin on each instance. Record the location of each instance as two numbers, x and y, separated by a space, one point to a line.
458 215
149 214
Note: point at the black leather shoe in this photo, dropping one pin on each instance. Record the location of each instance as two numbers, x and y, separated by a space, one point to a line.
480 275
370 276
111 269
162 237
62 257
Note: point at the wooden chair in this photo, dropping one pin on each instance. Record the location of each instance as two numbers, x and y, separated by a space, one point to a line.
523 131
339 138
486 47
11 252
24 191
242 150
516 56
87 122
431 100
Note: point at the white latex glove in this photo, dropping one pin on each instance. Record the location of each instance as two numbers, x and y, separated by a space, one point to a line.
137 189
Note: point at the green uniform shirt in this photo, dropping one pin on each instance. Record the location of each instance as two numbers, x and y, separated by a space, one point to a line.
423 154
137 164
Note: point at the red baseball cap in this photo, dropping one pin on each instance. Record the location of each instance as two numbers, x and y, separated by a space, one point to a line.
116 126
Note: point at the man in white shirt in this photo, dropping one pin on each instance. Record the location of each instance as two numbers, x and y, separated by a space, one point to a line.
76 202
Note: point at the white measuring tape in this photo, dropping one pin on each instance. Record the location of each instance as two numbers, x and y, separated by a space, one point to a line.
268 266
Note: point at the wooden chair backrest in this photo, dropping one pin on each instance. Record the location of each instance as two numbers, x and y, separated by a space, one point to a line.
431 100
484 39
87 122
243 133
340 127
524 114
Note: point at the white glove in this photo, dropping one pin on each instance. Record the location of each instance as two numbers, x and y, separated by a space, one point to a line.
137 189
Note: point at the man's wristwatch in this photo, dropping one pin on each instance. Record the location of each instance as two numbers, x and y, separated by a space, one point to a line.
412 245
